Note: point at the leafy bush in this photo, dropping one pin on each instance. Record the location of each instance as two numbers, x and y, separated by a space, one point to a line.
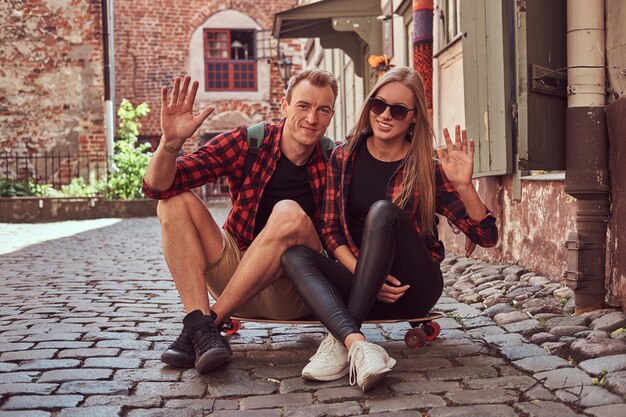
79 188
25 188
130 159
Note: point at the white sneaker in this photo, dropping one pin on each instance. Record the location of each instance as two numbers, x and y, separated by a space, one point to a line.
368 363
330 362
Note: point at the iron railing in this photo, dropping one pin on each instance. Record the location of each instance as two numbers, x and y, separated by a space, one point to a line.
56 168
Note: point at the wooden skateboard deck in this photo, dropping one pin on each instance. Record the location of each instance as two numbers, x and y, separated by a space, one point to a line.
423 328
429 317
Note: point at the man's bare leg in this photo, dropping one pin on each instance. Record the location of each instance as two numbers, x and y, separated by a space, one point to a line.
288 225
191 241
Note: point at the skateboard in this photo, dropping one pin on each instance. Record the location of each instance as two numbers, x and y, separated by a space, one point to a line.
422 328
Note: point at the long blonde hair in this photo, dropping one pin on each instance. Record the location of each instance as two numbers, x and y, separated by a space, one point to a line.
418 163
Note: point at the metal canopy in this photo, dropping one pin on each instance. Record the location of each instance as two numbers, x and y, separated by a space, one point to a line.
344 24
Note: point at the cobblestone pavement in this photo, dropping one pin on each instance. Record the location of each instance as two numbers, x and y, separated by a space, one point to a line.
84 318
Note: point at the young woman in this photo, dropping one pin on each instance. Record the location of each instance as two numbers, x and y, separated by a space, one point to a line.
383 189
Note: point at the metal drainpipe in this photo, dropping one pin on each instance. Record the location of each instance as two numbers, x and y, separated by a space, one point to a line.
587 175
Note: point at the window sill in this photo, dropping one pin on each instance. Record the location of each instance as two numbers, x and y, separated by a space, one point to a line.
556 176
449 45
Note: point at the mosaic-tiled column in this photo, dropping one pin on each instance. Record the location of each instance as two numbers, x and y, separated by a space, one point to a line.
423 44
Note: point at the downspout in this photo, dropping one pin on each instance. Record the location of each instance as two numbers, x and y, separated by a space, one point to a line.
109 79
587 175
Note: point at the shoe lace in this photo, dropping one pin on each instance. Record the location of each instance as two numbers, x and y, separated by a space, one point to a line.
354 355
325 349
360 356
205 338
183 342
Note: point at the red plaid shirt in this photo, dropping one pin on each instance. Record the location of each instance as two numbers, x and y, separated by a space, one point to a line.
224 156
334 227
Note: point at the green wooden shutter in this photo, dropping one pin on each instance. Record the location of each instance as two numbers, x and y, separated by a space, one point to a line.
487 64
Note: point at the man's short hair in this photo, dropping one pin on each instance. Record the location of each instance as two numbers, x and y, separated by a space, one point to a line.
316 76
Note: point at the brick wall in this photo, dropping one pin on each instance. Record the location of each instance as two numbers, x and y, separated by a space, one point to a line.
151 45
51 81
51 67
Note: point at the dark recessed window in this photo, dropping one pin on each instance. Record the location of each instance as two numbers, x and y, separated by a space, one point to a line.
229 57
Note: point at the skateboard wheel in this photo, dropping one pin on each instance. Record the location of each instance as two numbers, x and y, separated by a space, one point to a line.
415 338
431 330
232 327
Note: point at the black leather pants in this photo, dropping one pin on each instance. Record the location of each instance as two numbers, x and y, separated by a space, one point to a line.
390 246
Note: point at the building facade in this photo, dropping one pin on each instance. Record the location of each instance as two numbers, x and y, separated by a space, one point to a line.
510 72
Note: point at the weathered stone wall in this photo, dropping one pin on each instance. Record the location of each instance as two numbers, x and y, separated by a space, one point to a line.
51 78
152 41
532 231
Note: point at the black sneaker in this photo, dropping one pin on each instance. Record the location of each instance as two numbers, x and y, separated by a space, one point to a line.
181 353
210 346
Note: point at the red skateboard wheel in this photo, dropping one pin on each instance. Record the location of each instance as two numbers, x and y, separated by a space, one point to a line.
415 338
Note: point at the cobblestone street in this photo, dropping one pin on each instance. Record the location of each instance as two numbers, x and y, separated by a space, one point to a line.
85 317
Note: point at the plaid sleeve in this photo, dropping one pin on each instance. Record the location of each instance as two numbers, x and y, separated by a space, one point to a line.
483 232
219 157
330 228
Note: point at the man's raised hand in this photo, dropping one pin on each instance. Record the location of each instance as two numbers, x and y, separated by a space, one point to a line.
177 120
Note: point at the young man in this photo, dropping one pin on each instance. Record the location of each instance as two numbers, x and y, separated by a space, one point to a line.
273 208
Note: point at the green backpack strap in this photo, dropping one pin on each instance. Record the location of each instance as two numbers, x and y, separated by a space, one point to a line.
327 145
256 134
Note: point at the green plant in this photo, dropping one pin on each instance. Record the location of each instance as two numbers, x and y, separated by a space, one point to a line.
130 159
79 188
617 332
455 316
44 190
24 188
601 380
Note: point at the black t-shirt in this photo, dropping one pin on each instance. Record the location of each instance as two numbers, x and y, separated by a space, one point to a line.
289 182
370 178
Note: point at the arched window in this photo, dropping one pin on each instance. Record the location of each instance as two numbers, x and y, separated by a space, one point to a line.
224 56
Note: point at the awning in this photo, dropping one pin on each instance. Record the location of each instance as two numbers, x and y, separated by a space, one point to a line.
348 25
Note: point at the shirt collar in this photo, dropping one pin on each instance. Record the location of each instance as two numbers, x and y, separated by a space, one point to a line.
275 150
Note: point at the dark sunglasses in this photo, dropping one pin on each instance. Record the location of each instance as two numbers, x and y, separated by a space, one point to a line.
398 111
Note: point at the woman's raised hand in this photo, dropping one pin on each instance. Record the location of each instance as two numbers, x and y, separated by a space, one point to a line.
457 159
177 120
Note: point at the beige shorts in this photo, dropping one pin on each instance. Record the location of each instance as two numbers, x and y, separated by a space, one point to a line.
279 301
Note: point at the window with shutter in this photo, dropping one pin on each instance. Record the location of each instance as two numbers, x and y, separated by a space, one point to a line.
488 72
